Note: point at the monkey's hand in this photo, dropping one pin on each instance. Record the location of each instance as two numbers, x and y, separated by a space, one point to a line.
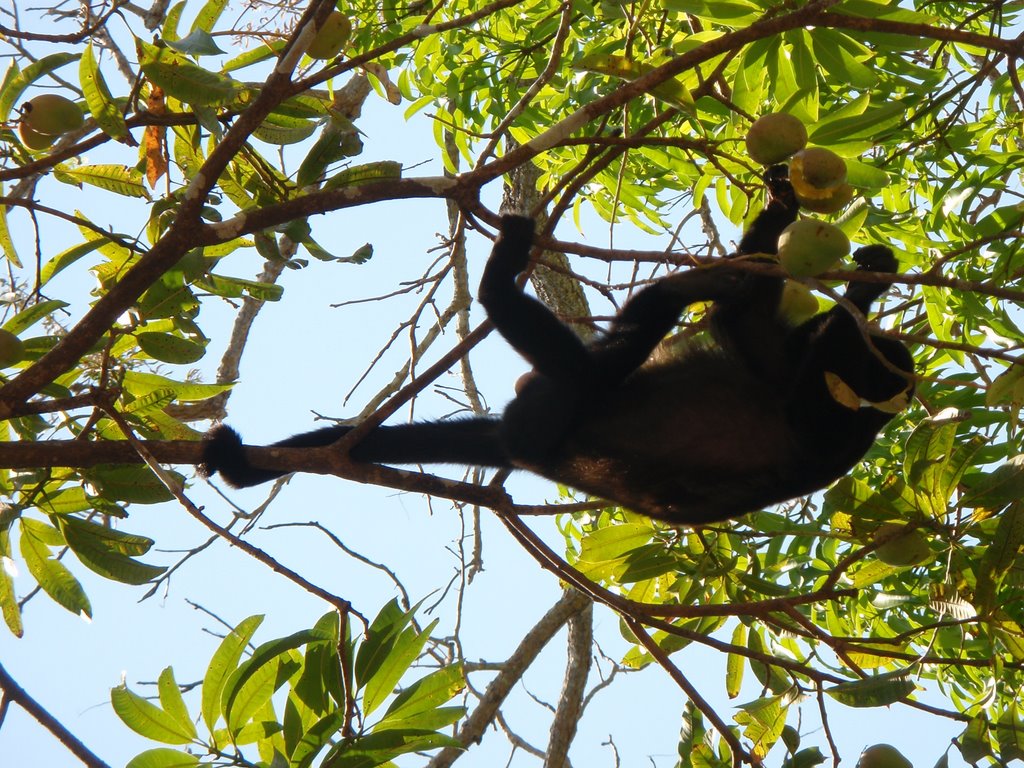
512 248
875 258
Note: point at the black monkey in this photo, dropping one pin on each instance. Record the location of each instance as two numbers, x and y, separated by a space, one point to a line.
766 413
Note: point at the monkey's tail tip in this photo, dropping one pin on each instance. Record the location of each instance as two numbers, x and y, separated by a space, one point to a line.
222 452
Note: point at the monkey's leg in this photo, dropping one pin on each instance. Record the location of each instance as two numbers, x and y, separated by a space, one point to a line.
473 442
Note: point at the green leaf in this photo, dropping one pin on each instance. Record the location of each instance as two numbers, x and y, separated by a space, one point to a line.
734 663
8 601
235 287
223 663
6 242
169 348
382 170
764 720
147 719
183 80
374 651
32 314
51 574
996 489
316 738
65 259
172 702
266 50
879 691
399 657
140 383
162 757
97 97
17 82
413 707
131 484
974 743
283 130
335 142
208 15
65 501
103 550
119 179
197 43
169 30
380 747
253 683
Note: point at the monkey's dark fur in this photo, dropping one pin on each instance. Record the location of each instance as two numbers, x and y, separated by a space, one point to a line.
730 427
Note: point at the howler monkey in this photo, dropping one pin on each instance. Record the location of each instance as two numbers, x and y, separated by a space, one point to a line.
766 412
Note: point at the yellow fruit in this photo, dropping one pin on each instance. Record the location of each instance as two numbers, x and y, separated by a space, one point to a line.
808 247
797 303
52 114
904 549
815 172
11 349
33 139
330 37
774 137
836 200
883 756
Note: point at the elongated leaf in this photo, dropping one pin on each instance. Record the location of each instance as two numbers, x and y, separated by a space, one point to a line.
169 348
182 79
252 684
119 179
734 663
33 314
172 702
431 691
147 719
197 43
17 83
101 550
400 656
223 663
316 738
880 691
140 383
281 130
169 30
8 602
51 574
208 15
65 259
6 242
162 757
764 720
131 484
97 97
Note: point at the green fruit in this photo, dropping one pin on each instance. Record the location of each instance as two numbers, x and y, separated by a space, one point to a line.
815 172
331 37
904 549
883 756
808 247
797 303
774 137
836 200
52 114
33 139
11 349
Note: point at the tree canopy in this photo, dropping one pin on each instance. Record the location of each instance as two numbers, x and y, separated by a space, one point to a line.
162 165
